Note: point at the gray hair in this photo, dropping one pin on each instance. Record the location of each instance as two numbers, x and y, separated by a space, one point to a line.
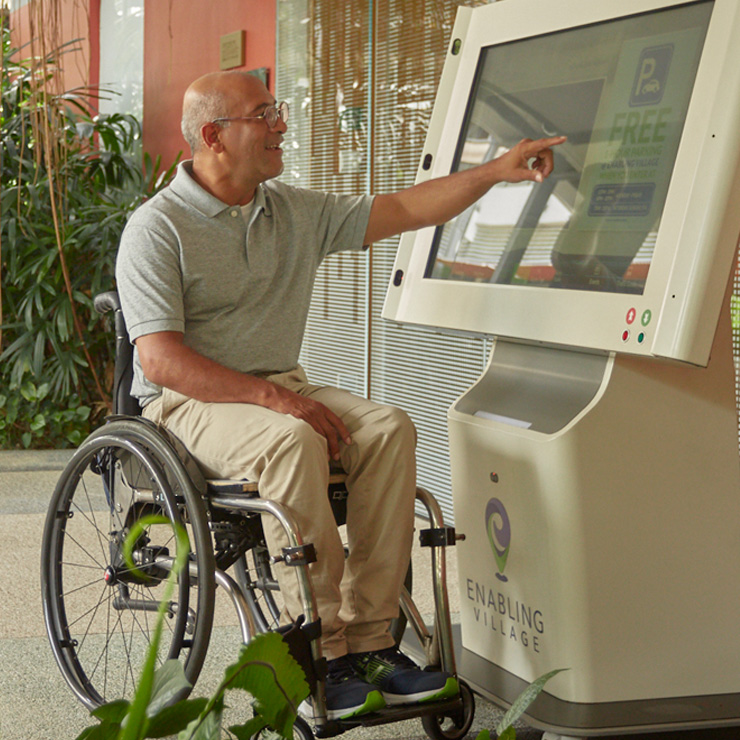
201 109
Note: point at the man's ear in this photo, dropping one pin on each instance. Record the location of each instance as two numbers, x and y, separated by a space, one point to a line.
210 133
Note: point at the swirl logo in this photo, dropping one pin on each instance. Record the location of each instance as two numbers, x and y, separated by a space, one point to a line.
499 534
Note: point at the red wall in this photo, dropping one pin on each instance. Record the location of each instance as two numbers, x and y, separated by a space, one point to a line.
75 22
181 43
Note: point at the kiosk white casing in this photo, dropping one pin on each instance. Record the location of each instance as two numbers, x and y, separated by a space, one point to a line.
596 477
697 234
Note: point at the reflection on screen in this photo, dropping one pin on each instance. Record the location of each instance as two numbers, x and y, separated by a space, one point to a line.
619 91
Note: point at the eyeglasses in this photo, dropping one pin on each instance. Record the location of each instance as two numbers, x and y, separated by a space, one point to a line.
271 115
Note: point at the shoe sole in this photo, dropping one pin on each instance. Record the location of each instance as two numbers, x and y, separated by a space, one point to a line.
374 701
450 690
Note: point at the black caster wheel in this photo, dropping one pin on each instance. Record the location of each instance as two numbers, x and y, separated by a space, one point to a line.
452 725
301 731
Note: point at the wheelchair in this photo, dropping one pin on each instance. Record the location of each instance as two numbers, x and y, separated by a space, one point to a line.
100 616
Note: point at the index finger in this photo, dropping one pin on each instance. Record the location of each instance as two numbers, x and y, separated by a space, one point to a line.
540 144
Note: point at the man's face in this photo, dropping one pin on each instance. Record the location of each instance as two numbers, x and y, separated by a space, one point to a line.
254 148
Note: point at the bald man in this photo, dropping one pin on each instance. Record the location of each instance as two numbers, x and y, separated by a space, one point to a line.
215 275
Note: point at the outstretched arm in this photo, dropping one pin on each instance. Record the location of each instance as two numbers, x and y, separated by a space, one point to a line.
436 201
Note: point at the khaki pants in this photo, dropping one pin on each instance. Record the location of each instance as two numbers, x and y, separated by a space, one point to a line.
356 597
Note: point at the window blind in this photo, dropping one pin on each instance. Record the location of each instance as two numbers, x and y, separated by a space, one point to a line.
415 369
323 73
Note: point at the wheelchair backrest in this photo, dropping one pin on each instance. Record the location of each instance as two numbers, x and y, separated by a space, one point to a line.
123 375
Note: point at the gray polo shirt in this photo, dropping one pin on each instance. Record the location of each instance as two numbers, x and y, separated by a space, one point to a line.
238 292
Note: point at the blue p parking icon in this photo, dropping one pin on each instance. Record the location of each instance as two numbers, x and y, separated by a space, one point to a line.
651 75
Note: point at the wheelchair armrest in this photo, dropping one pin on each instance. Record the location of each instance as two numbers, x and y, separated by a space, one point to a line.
107 301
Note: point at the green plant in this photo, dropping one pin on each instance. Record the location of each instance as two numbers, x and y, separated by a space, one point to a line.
70 180
505 728
735 313
264 668
60 421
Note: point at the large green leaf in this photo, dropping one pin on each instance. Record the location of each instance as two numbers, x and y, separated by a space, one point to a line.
113 711
208 725
268 671
173 720
169 680
249 729
523 701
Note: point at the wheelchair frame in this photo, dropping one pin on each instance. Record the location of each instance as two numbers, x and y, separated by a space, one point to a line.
156 473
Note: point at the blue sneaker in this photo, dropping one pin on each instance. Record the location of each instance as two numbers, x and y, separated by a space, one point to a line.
347 695
400 680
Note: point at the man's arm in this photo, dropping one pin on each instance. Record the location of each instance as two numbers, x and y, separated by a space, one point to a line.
168 362
436 201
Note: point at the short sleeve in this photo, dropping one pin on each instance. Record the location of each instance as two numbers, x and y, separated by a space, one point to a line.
149 280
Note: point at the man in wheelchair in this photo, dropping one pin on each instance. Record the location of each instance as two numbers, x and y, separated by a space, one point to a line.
215 276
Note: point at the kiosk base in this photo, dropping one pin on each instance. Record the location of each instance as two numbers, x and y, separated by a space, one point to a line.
564 719
600 499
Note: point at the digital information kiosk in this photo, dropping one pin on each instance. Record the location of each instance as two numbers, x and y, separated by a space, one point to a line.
595 463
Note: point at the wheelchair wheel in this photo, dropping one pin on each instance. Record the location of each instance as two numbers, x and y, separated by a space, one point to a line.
301 731
100 616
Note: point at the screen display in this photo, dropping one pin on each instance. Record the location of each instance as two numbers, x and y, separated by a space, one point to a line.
619 91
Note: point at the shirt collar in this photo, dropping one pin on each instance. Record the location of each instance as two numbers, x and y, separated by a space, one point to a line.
188 189
260 201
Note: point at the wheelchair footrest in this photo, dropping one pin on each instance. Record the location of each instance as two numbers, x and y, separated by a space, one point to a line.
386 716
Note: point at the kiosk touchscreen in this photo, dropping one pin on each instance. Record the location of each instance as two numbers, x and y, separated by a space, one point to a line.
595 463
633 232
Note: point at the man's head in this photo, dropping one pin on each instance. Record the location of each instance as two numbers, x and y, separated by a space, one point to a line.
224 125
205 100
216 95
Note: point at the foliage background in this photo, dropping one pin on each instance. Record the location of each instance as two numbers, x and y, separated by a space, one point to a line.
70 179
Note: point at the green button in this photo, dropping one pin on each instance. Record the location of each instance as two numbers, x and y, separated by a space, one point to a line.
646 316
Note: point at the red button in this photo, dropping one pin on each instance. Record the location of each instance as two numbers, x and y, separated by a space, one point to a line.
625 335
